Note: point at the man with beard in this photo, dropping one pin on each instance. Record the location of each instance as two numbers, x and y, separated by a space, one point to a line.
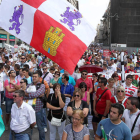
114 128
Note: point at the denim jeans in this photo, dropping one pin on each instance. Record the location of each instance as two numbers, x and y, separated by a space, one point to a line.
44 118
2 97
9 103
39 122
53 130
19 137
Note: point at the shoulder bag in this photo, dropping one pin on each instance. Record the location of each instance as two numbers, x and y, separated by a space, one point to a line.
55 121
135 122
101 95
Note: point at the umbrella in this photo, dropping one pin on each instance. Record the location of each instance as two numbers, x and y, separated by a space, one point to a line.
91 68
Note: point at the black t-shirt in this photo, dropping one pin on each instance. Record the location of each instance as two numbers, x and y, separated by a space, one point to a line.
17 73
55 102
82 106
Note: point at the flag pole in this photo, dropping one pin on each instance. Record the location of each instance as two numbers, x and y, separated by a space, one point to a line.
122 72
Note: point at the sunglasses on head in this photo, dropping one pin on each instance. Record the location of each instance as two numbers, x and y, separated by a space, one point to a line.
120 91
76 95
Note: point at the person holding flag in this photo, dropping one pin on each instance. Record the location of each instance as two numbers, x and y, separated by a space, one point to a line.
113 128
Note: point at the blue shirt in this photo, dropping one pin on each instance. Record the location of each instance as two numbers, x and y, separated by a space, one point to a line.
137 69
68 89
71 81
29 79
114 131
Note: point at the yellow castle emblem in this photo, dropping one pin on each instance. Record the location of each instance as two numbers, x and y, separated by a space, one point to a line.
52 40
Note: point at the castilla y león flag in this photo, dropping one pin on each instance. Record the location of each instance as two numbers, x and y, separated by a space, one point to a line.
53 27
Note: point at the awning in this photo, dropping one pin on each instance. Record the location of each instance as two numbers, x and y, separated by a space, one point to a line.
3 37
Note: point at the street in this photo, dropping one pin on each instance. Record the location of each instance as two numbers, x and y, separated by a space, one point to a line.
35 135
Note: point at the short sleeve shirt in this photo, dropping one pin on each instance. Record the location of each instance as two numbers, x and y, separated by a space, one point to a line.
52 100
114 131
87 81
10 94
129 120
101 105
78 135
83 105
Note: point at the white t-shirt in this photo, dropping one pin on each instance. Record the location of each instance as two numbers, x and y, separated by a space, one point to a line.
2 74
129 121
22 117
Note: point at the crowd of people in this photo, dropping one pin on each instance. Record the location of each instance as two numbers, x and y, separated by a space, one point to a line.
36 92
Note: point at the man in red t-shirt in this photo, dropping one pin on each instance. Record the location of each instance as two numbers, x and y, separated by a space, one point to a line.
85 79
101 103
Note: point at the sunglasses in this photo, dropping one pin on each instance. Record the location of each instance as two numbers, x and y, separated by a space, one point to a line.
138 91
13 72
15 96
83 87
44 69
22 58
58 74
120 91
76 95
84 74
21 82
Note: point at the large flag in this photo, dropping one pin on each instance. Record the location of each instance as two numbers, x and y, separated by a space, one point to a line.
53 27
2 127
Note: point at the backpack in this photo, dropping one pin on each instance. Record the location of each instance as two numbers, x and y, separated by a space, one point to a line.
9 80
44 98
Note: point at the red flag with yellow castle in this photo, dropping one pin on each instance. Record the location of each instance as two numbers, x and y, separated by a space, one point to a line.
53 27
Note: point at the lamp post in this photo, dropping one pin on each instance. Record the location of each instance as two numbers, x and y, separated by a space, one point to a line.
110 17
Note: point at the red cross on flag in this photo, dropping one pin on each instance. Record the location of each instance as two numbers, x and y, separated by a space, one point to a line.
53 27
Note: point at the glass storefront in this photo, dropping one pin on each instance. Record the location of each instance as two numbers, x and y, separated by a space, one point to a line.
3 39
12 40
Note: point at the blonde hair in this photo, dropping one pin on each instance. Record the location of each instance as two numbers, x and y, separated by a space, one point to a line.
79 91
80 113
110 80
120 88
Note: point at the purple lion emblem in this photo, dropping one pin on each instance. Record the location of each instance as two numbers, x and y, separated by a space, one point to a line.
16 17
69 16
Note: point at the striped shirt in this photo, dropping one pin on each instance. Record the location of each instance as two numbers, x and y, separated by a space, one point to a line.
130 91
40 91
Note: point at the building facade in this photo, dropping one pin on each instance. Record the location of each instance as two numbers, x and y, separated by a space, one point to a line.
125 30
75 3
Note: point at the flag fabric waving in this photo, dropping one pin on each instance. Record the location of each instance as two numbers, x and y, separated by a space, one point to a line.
53 27
2 126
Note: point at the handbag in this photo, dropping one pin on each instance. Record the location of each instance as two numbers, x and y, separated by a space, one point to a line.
55 121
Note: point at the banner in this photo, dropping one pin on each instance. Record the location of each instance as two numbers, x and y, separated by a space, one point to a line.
106 53
53 27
